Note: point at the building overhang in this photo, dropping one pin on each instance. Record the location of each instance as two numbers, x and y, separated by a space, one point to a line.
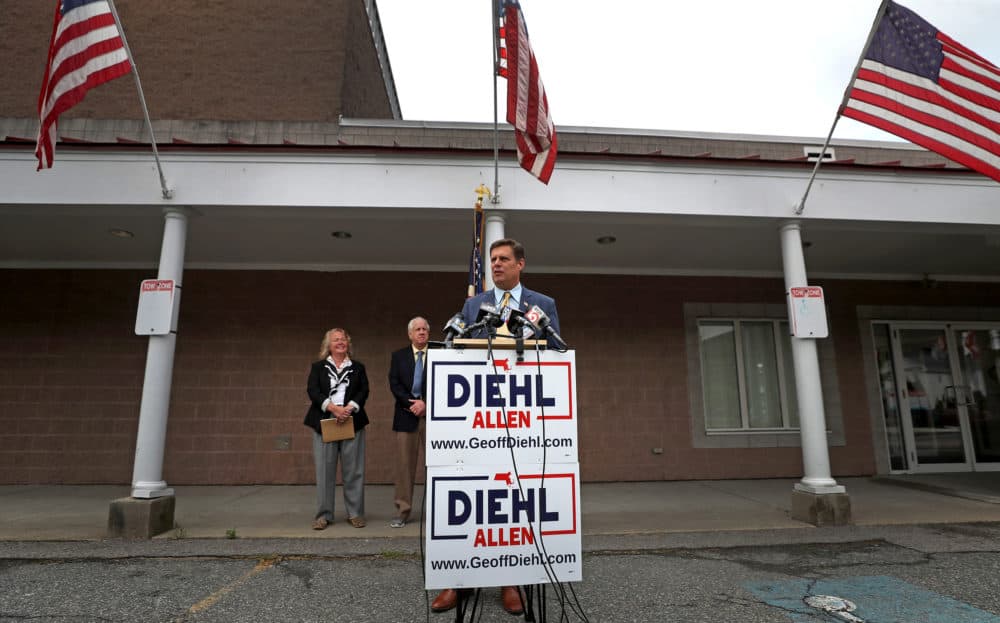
408 207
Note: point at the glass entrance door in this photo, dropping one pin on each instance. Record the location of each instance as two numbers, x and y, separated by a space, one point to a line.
979 392
940 386
931 419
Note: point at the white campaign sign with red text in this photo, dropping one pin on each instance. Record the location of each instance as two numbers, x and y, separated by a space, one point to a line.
480 409
492 526
503 477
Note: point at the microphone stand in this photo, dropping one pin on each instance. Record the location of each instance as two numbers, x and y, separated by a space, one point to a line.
529 613
465 596
516 329
491 333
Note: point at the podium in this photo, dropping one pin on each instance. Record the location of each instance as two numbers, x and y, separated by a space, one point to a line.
500 342
503 474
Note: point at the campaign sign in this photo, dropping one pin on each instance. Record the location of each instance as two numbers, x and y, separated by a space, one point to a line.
483 406
491 525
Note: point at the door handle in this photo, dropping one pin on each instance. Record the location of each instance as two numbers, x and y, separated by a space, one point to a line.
964 395
951 395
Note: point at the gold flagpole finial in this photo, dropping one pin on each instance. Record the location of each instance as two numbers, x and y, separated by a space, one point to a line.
482 191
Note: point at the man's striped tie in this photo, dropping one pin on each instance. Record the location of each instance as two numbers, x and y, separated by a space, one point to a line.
504 302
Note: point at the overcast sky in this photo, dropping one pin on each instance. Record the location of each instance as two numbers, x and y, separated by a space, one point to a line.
772 67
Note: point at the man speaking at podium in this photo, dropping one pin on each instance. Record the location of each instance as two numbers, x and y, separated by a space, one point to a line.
506 264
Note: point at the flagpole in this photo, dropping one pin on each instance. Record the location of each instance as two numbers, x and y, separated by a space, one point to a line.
167 193
843 102
496 125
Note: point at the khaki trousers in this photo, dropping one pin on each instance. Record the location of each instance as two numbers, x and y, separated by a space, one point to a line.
408 447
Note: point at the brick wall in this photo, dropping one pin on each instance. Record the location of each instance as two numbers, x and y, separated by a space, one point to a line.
363 93
70 376
71 370
206 59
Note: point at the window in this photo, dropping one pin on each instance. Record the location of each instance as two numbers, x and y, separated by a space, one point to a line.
747 375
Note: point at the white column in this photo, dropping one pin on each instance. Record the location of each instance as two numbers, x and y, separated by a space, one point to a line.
147 472
812 419
493 230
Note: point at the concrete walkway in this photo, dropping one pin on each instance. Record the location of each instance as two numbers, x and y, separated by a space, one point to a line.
80 512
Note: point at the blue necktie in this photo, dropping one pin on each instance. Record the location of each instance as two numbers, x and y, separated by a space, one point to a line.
418 375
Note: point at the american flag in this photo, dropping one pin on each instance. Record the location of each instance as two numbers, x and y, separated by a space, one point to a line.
476 257
527 106
920 84
86 50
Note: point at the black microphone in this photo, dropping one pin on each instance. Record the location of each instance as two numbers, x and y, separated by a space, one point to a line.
540 319
455 327
517 322
488 317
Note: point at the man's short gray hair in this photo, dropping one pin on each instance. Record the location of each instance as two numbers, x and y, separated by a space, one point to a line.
413 321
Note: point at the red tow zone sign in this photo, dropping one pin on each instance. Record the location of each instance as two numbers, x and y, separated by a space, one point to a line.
807 312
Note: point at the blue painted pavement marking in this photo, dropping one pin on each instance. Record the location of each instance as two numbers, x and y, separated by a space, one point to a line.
878 599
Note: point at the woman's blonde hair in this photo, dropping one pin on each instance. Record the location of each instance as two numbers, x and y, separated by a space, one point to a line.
324 347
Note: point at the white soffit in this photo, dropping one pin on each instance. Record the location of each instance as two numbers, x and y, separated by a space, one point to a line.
376 180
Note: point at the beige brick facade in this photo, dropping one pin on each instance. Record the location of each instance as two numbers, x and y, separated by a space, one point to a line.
213 60
71 370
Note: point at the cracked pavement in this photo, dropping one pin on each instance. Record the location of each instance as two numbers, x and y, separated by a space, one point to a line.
689 577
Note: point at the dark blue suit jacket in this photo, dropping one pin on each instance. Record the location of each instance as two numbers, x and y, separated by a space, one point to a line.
401 385
528 298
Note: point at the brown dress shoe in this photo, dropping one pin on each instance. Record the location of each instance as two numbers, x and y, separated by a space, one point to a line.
445 600
320 523
511 598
